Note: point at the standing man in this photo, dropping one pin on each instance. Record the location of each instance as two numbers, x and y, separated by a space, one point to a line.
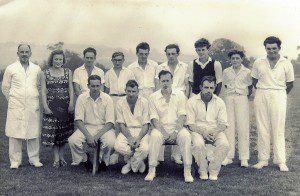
94 118
207 119
168 115
204 66
82 73
20 85
180 81
273 78
144 70
133 118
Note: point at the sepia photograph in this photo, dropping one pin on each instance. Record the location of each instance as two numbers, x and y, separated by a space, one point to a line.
140 97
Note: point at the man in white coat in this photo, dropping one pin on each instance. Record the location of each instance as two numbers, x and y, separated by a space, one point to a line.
20 86
273 78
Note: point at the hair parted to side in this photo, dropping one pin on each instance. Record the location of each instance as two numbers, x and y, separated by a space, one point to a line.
55 52
143 46
163 73
90 49
171 46
210 79
132 84
272 40
118 53
94 77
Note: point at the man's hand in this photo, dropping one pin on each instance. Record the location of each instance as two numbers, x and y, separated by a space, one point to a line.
172 138
71 109
90 141
137 143
47 111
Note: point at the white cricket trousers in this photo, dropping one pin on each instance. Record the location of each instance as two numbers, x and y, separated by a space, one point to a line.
140 153
237 107
77 139
200 153
183 141
270 111
15 150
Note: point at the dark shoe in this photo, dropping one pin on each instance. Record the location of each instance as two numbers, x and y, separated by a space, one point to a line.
102 166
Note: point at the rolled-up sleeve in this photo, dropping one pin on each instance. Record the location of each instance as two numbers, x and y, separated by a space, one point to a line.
109 112
76 76
289 74
152 109
218 71
79 108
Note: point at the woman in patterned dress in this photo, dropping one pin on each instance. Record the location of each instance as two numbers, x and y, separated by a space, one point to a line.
57 87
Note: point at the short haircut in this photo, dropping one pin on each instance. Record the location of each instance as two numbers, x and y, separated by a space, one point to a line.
272 40
94 77
118 53
202 43
24 45
143 46
90 49
210 79
55 52
132 84
163 73
241 53
171 46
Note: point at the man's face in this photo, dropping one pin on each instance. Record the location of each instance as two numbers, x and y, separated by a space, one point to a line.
272 50
142 55
132 93
172 54
89 58
207 89
24 53
94 86
58 60
118 61
166 81
202 52
236 60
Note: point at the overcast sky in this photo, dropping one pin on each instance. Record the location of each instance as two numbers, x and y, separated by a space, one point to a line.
124 23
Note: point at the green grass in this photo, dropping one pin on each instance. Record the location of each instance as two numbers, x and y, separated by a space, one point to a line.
233 180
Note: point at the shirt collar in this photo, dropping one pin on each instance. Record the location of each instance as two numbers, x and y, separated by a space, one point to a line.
136 64
199 63
174 92
98 99
199 97
243 68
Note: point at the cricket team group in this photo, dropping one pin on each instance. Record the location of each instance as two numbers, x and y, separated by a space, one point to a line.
135 111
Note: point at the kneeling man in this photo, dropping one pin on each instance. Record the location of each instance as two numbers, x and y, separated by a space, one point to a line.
207 119
133 118
168 115
94 118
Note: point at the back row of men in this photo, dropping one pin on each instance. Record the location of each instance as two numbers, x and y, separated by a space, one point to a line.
147 94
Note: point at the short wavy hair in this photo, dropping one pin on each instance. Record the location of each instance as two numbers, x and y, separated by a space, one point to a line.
210 79
272 40
143 46
171 46
202 43
132 84
239 52
90 49
54 52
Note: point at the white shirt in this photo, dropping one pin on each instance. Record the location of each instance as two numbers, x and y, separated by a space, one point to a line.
140 114
80 77
116 84
180 74
94 113
217 68
145 77
210 118
167 113
20 87
236 82
275 78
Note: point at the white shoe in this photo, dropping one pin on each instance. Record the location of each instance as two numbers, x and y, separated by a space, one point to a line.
260 164
37 164
227 161
114 159
187 175
151 174
244 163
203 175
177 159
283 167
142 167
126 169
14 165
213 176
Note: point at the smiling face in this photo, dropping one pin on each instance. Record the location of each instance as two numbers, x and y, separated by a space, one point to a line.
142 55
172 55
272 50
24 53
207 90
58 60
118 61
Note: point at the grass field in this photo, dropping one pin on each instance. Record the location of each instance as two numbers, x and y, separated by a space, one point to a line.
233 180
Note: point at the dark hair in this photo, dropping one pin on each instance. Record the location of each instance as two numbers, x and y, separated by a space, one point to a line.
272 40
170 46
90 49
241 53
94 77
143 46
24 45
209 79
132 84
164 72
202 43
54 52
118 53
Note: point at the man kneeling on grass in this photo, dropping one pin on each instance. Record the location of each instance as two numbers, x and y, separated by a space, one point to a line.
168 115
207 119
94 117
133 118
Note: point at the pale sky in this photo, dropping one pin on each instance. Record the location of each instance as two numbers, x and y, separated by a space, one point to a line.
125 23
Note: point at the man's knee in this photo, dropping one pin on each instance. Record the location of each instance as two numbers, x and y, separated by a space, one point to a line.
109 139
156 135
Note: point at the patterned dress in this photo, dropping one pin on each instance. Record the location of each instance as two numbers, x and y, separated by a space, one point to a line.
57 131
